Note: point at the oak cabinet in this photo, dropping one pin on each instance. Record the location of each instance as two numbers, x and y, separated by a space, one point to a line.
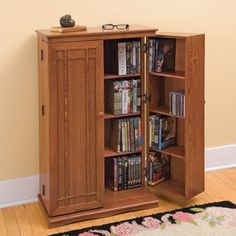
75 128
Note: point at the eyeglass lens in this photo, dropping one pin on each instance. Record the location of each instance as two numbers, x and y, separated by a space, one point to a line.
111 26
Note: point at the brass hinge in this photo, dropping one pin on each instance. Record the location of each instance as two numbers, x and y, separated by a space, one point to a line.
41 54
146 98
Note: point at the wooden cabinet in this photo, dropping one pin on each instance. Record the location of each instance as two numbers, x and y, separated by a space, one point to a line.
75 127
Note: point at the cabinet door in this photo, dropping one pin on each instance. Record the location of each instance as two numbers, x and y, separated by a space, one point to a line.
76 126
194 135
186 178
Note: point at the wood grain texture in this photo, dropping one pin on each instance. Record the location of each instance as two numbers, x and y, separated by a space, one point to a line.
220 185
76 92
174 151
177 74
23 221
43 89
114 203
72 129
95 33
176 35
109 116
188 75
3 230
109 152
194 121
38 226
65 71
113 76
11 222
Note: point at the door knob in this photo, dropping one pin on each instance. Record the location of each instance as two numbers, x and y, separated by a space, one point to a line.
101 114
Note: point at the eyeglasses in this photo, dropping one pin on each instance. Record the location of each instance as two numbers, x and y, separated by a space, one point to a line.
111 26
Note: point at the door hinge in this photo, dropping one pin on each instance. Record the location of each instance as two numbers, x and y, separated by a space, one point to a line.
146 98
43 110
41 54
145 47
43 190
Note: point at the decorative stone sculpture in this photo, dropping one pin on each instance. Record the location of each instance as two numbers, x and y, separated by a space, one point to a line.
67 21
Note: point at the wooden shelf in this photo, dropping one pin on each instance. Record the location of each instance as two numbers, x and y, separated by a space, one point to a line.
174 151
111 116
175 188
164 110
170 74
109 152
112 76
114 203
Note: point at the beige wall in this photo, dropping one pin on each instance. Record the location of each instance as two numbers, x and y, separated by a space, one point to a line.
18 66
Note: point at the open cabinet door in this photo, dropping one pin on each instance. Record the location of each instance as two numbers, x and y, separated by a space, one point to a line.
185 83
194 132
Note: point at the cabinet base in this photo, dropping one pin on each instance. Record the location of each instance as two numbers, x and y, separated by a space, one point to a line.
114 203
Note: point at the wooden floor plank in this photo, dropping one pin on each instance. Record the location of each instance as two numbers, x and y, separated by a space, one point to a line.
125 216
223 193
81 225
96 222
28 220
139 213
23 221
107 220
227 188
229 180
11 222
75 226
38 226
3 230
44 223
60 229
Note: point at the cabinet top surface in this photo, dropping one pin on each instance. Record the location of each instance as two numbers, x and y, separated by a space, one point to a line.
99 32
177 34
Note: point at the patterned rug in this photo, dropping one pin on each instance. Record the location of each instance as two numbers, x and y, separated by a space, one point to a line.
218 218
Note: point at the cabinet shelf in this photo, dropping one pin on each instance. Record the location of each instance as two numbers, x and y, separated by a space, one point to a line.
171 187
174 151
170 74
111 116
109 152
113 76
129 198
164 110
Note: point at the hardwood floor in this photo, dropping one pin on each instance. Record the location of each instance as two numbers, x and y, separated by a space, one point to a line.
27 220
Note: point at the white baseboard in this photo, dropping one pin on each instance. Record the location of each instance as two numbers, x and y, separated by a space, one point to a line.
19 191
25 190
222 157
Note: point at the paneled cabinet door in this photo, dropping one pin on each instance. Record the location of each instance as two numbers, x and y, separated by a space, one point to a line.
76 126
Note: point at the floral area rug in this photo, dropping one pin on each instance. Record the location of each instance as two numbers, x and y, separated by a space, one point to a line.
218 218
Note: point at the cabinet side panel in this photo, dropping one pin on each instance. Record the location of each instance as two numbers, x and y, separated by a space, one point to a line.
55 167
43 121
194 136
